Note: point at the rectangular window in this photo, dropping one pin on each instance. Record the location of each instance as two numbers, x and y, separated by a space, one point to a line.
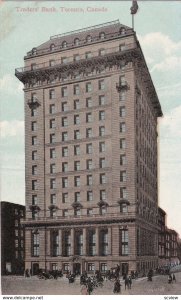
122 47
52 168
64 151
76 120
101 130
77 197
35 244
122 111
52 138
65 197
101 85
77 150
34 155
34 126
88 132
77 165
52 153
101 115
89 211
64 106
64 182
89 164
34 170
103 267
122 127
53 199
77 134
88 117
76 57
89 102
102 178
122 143
52 123
123 176
64 60
89 148
102 100
103 195
64 136
52 108
77 181
88 87
51 62
64 92
89 179
76 89
34 112
77 211
34 200
34 140
102 163
66 267
52 94
124 241
65 212
52 183
34 185
64 122
90 267
89 196
91 243
54 243
102 147
88 55
76 104
122 96
122 159
102 52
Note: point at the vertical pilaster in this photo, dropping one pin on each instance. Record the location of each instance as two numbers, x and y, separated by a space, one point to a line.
97 241
72 232
84 241
60 242
109 241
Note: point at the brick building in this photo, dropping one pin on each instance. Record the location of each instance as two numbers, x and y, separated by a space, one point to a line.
161 235
12 238
91 114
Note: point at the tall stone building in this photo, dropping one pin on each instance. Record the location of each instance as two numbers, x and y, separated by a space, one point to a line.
91 114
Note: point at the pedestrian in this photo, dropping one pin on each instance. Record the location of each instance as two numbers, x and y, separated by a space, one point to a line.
117 286
169 279
129 282
126 282
174 278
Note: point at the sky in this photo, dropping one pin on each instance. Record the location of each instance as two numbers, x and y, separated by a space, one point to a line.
157 25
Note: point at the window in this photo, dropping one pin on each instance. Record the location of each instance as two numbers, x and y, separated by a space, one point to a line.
64 151
77 197
64 106
123 176
77 165
52 183
102 52
102 100
123 193
64 182
34 185
51 62
34 170
101 130
64 44
52 138
64 122
89 39
89 196
76 104
53 199
34 155
102 35
65 197
122 111
34 200
104 242
77 181
122 159
64 136
52 108
102 163
88 55
103 267
89 148
35 244
88 117
101 115
102 178
52 123
122 31
122 127
34 112
123 208
77 134
91 243
122 80
76 42
89 179
88 87
122 96
33 66
66 267
65 212
52 94
77 150
103 210
54 243
77 211
76 57
65 167
52 153
124 240
64 92
76 89
52 168
102 147
90 211
88 132
34 126
34 140
122 143
102 195
122 47
89 102
101 85
89 164
76 120
52 47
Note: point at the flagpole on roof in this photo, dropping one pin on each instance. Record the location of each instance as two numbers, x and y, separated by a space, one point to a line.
133 9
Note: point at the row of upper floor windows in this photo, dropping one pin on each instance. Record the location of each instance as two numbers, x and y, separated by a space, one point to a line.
77 42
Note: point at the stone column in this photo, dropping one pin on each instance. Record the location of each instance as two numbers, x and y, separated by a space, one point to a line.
97 241
84 241
60 242
72 240
109 241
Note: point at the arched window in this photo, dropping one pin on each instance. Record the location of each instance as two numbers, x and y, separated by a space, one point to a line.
34 51
76 42
64 44
52 47
102 35
122 30
89 39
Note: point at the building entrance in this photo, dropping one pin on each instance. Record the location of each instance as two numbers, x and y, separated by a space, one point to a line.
77 268
124 268
35 268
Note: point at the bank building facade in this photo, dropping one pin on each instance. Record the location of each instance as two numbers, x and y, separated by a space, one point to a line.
91 113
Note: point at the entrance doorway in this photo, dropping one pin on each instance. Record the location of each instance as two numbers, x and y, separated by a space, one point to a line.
35 268
124 268
77 268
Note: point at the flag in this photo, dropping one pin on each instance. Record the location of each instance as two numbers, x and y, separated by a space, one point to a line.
134 7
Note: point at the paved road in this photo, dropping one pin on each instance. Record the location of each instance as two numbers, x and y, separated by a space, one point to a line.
14 285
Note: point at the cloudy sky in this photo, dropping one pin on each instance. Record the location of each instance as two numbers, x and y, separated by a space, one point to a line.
157 27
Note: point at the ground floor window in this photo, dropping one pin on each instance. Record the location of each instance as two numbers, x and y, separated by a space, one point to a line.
66 267
91 267
54 266
103 267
